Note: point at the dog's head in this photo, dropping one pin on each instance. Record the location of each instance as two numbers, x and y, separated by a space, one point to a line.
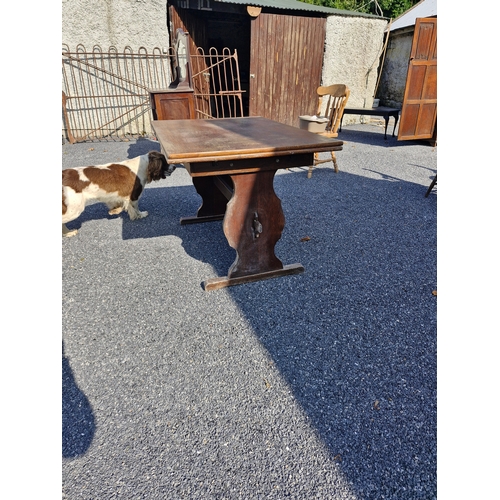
158 168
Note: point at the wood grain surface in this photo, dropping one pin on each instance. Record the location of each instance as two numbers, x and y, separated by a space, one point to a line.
235 138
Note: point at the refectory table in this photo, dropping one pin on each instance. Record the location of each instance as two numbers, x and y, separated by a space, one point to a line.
232 162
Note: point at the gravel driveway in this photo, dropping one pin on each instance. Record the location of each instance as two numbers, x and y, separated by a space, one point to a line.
320 385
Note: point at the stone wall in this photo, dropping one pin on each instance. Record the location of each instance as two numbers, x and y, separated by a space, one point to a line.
121 23
353 47
353 44
393 80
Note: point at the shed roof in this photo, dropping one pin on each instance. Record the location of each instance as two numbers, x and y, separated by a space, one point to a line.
424 8
297 5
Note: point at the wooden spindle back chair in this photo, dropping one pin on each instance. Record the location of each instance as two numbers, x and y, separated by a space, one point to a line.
336 97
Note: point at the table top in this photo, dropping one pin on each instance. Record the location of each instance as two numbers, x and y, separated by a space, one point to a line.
185 141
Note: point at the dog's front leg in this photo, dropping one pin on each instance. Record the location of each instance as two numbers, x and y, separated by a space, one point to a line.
134 212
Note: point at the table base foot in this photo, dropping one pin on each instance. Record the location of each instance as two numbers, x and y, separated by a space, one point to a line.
217 283
196 220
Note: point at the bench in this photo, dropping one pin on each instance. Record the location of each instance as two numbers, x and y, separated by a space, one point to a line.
379 111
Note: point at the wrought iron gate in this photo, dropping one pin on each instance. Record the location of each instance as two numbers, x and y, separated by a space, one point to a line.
106 94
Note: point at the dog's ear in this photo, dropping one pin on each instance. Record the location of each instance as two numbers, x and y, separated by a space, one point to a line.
157 165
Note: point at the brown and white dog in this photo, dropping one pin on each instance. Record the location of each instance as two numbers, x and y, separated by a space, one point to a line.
118 185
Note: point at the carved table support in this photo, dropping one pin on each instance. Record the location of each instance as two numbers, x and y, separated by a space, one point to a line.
214 192
253 225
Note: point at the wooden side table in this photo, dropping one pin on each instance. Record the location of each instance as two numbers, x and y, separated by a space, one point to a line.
379 111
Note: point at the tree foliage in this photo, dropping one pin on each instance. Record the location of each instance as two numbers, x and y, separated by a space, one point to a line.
384 8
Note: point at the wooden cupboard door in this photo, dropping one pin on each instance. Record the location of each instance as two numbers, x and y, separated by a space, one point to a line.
419 111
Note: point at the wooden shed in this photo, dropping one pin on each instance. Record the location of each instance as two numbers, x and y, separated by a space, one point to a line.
280 45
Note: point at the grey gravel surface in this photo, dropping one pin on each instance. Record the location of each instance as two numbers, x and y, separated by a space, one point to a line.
315 386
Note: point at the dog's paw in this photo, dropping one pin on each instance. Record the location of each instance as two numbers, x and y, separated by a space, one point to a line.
138 215
116 211
67 233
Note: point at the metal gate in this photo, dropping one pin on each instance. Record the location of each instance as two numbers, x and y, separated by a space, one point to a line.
106 94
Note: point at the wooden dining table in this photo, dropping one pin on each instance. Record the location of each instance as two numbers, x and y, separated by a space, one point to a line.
232 163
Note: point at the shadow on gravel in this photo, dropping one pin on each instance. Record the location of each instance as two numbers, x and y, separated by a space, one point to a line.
142 146
359 348
166 205
377 138
359 351
432 173
78 425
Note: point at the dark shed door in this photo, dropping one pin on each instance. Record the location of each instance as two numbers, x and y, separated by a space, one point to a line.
286 58
419 111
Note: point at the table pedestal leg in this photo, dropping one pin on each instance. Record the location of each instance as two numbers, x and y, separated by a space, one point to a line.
214 200
253 225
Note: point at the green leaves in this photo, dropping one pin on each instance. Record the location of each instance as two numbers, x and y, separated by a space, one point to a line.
384 8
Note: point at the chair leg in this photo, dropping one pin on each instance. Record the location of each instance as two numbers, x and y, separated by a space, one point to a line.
433 183
310 171
316 161
334 159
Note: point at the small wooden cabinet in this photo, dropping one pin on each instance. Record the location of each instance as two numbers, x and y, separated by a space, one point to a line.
177 101
171 104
